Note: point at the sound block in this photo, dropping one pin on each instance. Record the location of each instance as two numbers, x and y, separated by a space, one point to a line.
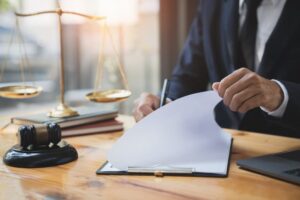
40 157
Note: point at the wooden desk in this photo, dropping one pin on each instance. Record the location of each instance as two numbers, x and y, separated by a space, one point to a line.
77 180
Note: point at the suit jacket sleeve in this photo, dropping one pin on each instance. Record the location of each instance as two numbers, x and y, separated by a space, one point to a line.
291 115
190 74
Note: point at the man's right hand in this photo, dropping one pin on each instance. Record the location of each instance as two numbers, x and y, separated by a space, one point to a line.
145 105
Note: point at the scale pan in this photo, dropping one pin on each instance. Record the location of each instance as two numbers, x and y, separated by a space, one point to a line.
20 91
107 96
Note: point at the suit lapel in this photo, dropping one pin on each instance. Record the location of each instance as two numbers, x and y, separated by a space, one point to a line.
280 37
231 17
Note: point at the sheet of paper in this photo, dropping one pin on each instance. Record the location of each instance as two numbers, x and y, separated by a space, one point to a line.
180 134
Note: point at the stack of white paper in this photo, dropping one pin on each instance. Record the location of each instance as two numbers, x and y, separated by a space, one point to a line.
180 134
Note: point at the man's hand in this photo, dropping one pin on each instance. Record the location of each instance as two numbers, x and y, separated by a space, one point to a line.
145 105
244 90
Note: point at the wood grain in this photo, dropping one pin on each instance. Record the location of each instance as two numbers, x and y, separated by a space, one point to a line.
77 180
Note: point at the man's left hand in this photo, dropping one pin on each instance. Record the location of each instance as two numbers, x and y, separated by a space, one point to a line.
244 90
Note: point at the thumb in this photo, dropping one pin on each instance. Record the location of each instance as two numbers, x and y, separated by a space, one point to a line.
215 86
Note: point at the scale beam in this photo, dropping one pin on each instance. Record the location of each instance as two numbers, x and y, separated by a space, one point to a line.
61 12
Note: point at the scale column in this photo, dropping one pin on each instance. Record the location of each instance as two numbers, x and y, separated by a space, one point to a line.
62 110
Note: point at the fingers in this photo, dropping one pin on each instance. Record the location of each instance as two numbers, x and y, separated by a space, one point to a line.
231 79
251 103
149 99
241 97
142 112
248 80
244 90
144 105
215 86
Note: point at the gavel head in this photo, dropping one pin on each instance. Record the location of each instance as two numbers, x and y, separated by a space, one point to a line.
39 135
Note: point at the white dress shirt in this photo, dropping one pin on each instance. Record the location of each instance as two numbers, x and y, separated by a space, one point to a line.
268 14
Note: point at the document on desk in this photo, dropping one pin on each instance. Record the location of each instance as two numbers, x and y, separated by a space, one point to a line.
180 135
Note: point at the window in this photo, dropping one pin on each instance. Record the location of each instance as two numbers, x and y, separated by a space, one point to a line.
134 26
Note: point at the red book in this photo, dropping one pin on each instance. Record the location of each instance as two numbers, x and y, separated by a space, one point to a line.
97 127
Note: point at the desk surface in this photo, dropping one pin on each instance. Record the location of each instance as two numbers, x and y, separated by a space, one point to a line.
77 180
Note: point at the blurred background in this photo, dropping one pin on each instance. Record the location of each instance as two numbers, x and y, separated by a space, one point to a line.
148 36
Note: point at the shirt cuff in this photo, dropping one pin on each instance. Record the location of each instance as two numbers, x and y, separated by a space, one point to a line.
281 109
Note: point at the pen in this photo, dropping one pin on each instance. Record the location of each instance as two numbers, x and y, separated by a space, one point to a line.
164 91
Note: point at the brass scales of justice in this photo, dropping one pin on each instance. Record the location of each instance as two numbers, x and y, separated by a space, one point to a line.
63 110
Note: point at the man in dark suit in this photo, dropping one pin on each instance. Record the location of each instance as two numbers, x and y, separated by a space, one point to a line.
249 50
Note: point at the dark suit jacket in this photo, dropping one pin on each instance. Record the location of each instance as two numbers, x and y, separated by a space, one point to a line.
210 54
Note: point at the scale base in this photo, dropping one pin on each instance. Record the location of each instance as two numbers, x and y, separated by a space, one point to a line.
41 157
62 110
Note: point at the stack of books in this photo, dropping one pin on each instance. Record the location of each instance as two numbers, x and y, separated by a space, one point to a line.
88 121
